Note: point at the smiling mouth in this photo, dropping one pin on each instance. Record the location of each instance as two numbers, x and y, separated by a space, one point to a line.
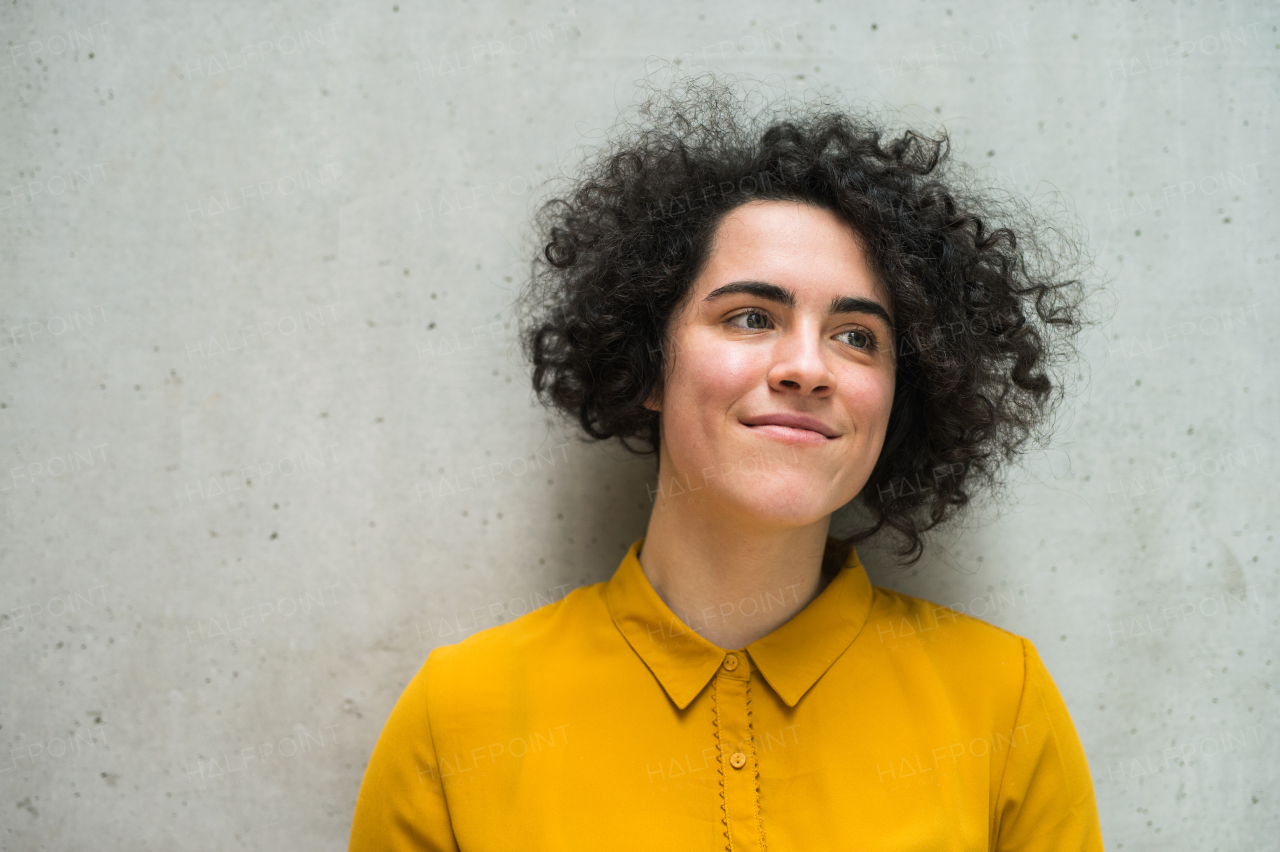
791 429
789 434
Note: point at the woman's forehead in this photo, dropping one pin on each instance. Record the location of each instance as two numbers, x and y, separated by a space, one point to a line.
800 246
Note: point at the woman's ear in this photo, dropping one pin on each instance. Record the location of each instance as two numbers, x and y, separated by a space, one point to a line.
652 402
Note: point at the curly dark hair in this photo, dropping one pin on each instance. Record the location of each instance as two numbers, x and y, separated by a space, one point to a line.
980 298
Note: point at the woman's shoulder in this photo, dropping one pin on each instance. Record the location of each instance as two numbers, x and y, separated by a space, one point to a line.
952 644
541 634
890 604
945 657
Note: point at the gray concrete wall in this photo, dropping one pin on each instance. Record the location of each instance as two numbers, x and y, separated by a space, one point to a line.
258 267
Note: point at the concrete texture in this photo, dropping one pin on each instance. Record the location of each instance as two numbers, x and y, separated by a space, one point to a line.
258 265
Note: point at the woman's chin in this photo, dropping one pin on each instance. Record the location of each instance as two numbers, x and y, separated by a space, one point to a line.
785 504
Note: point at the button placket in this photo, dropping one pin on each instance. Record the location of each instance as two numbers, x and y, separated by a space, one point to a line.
739 775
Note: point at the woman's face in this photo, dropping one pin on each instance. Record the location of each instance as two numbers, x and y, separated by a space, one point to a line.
780 370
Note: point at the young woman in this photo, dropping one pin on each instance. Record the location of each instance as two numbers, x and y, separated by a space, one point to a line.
790 313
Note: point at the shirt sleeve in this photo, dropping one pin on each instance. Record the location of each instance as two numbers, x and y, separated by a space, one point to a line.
401 805
1045 801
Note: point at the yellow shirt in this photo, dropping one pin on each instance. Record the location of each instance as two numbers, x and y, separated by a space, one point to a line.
871 720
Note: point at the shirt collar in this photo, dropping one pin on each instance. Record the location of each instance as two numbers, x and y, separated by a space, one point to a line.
791 658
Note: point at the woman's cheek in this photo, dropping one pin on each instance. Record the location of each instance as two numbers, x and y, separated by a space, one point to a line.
730 370
870 397
707 371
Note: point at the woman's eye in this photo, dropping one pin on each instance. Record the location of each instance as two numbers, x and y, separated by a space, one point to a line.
858 339
752 319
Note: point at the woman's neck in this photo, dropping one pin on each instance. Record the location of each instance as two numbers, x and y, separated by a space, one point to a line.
731 580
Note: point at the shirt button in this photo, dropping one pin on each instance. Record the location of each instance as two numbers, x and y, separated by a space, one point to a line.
731 662
738 760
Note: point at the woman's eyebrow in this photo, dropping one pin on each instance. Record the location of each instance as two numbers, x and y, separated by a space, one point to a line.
787 298
759 289
859 305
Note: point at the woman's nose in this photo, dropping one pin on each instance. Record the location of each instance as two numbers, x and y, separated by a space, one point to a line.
799 363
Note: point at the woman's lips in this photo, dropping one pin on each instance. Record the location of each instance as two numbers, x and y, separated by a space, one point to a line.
789 434
791 427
